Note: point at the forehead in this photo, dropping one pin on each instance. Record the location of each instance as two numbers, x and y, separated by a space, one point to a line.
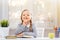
26 12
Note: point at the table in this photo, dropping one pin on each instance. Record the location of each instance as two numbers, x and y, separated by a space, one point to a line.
31 39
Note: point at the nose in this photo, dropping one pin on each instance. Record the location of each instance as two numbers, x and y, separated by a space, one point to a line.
25 15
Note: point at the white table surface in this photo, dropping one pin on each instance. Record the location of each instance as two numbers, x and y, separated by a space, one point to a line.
31 39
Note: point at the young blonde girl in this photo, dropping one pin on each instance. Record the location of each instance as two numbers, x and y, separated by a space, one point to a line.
26 27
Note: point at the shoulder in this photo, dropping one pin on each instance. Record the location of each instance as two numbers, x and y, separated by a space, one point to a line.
20 25
33 25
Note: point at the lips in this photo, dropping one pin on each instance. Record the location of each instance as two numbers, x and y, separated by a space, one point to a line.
25 18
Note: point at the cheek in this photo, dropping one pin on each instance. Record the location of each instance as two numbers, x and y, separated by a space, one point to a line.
23 18
29 18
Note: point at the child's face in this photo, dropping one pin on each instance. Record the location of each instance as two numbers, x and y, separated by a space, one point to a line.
26 16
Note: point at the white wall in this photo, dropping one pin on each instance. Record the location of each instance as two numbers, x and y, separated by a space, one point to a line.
39 8
0 9
4 9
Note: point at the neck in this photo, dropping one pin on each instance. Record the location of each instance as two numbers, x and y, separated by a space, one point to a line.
25 23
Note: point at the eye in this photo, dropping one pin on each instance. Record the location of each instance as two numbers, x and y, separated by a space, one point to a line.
28 15
23 15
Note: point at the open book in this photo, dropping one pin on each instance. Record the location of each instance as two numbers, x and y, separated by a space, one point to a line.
10 37
25 36
14 37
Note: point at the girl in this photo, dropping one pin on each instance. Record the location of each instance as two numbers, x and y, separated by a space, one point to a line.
26 27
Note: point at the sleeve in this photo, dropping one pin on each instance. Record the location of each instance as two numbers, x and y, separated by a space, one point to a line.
31 33
19 29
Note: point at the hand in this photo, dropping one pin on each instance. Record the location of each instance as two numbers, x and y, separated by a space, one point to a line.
19 35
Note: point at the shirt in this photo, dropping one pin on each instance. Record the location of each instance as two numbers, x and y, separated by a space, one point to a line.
25 30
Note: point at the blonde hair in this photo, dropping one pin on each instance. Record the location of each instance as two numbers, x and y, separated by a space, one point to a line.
30 28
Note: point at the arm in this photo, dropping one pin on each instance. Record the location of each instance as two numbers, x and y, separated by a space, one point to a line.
19 29
31 33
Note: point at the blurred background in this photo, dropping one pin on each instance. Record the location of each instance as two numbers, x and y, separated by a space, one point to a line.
45 13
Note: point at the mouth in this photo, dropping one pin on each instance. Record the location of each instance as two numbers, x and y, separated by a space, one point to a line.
25 18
